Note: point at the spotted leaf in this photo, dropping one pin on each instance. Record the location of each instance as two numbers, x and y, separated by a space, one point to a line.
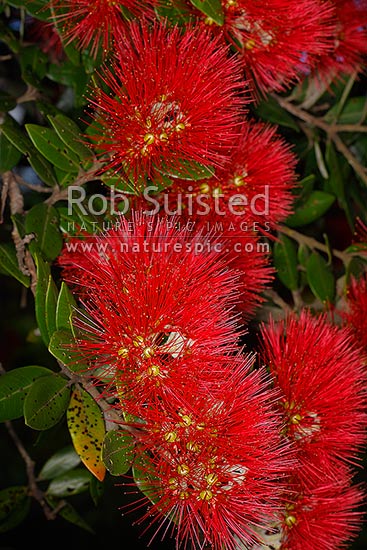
87 430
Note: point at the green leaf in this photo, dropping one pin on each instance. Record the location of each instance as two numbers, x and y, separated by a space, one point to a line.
14 507
71 483
87 429
68 512
33 64
315 206
285 261
146 478
96 489
69 132
63 347
52 148
211 8
65 307
9 155
62 461
14 386
21 141
50 305
271 111
189 170
7 102
46 402
39 8
118 452
320 278
353 112
9 264
43 276
175 11
43 221
303 254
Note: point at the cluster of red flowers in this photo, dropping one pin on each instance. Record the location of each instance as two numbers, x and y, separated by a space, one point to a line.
231 455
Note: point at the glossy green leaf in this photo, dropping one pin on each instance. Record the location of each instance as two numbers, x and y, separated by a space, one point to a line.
68 512
353 112
62 461
43 277
69 132
96 489
9 264
65 307
71 483
211 8
285 261
52 148
14 507
189 170
320 278
33 63
118 452
39 8
50 305
21 141
175 11
303 254
315 206
14 386
46 402
146 478
43 221
9 155
271 111
63 347
87 430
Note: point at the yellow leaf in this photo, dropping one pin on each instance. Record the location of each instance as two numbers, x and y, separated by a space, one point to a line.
87 430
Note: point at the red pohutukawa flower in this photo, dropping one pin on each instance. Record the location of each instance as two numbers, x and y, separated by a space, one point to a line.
160 300
350 41
277 39
325 514
253 191
175 97
217 463
355 315
320 373
94 24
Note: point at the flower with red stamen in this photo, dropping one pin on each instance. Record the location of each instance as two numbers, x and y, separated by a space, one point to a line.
174 98
218 464
350 41
159 301
322 377
355 314
326 514
254 188
94 24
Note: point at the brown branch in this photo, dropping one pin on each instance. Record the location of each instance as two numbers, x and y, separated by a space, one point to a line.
332 131
314 243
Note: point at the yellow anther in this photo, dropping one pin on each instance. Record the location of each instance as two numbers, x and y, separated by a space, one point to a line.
238 181
163 136
296 419
206 494
209 21
200 426
250 44
149 139
186 420
290 521
183 469
173 483
204 188
217 192
211 479
139 340
180 127
148 352
149 122
192 446
184 495
171 437
231 3
123 352
163 97
153 370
